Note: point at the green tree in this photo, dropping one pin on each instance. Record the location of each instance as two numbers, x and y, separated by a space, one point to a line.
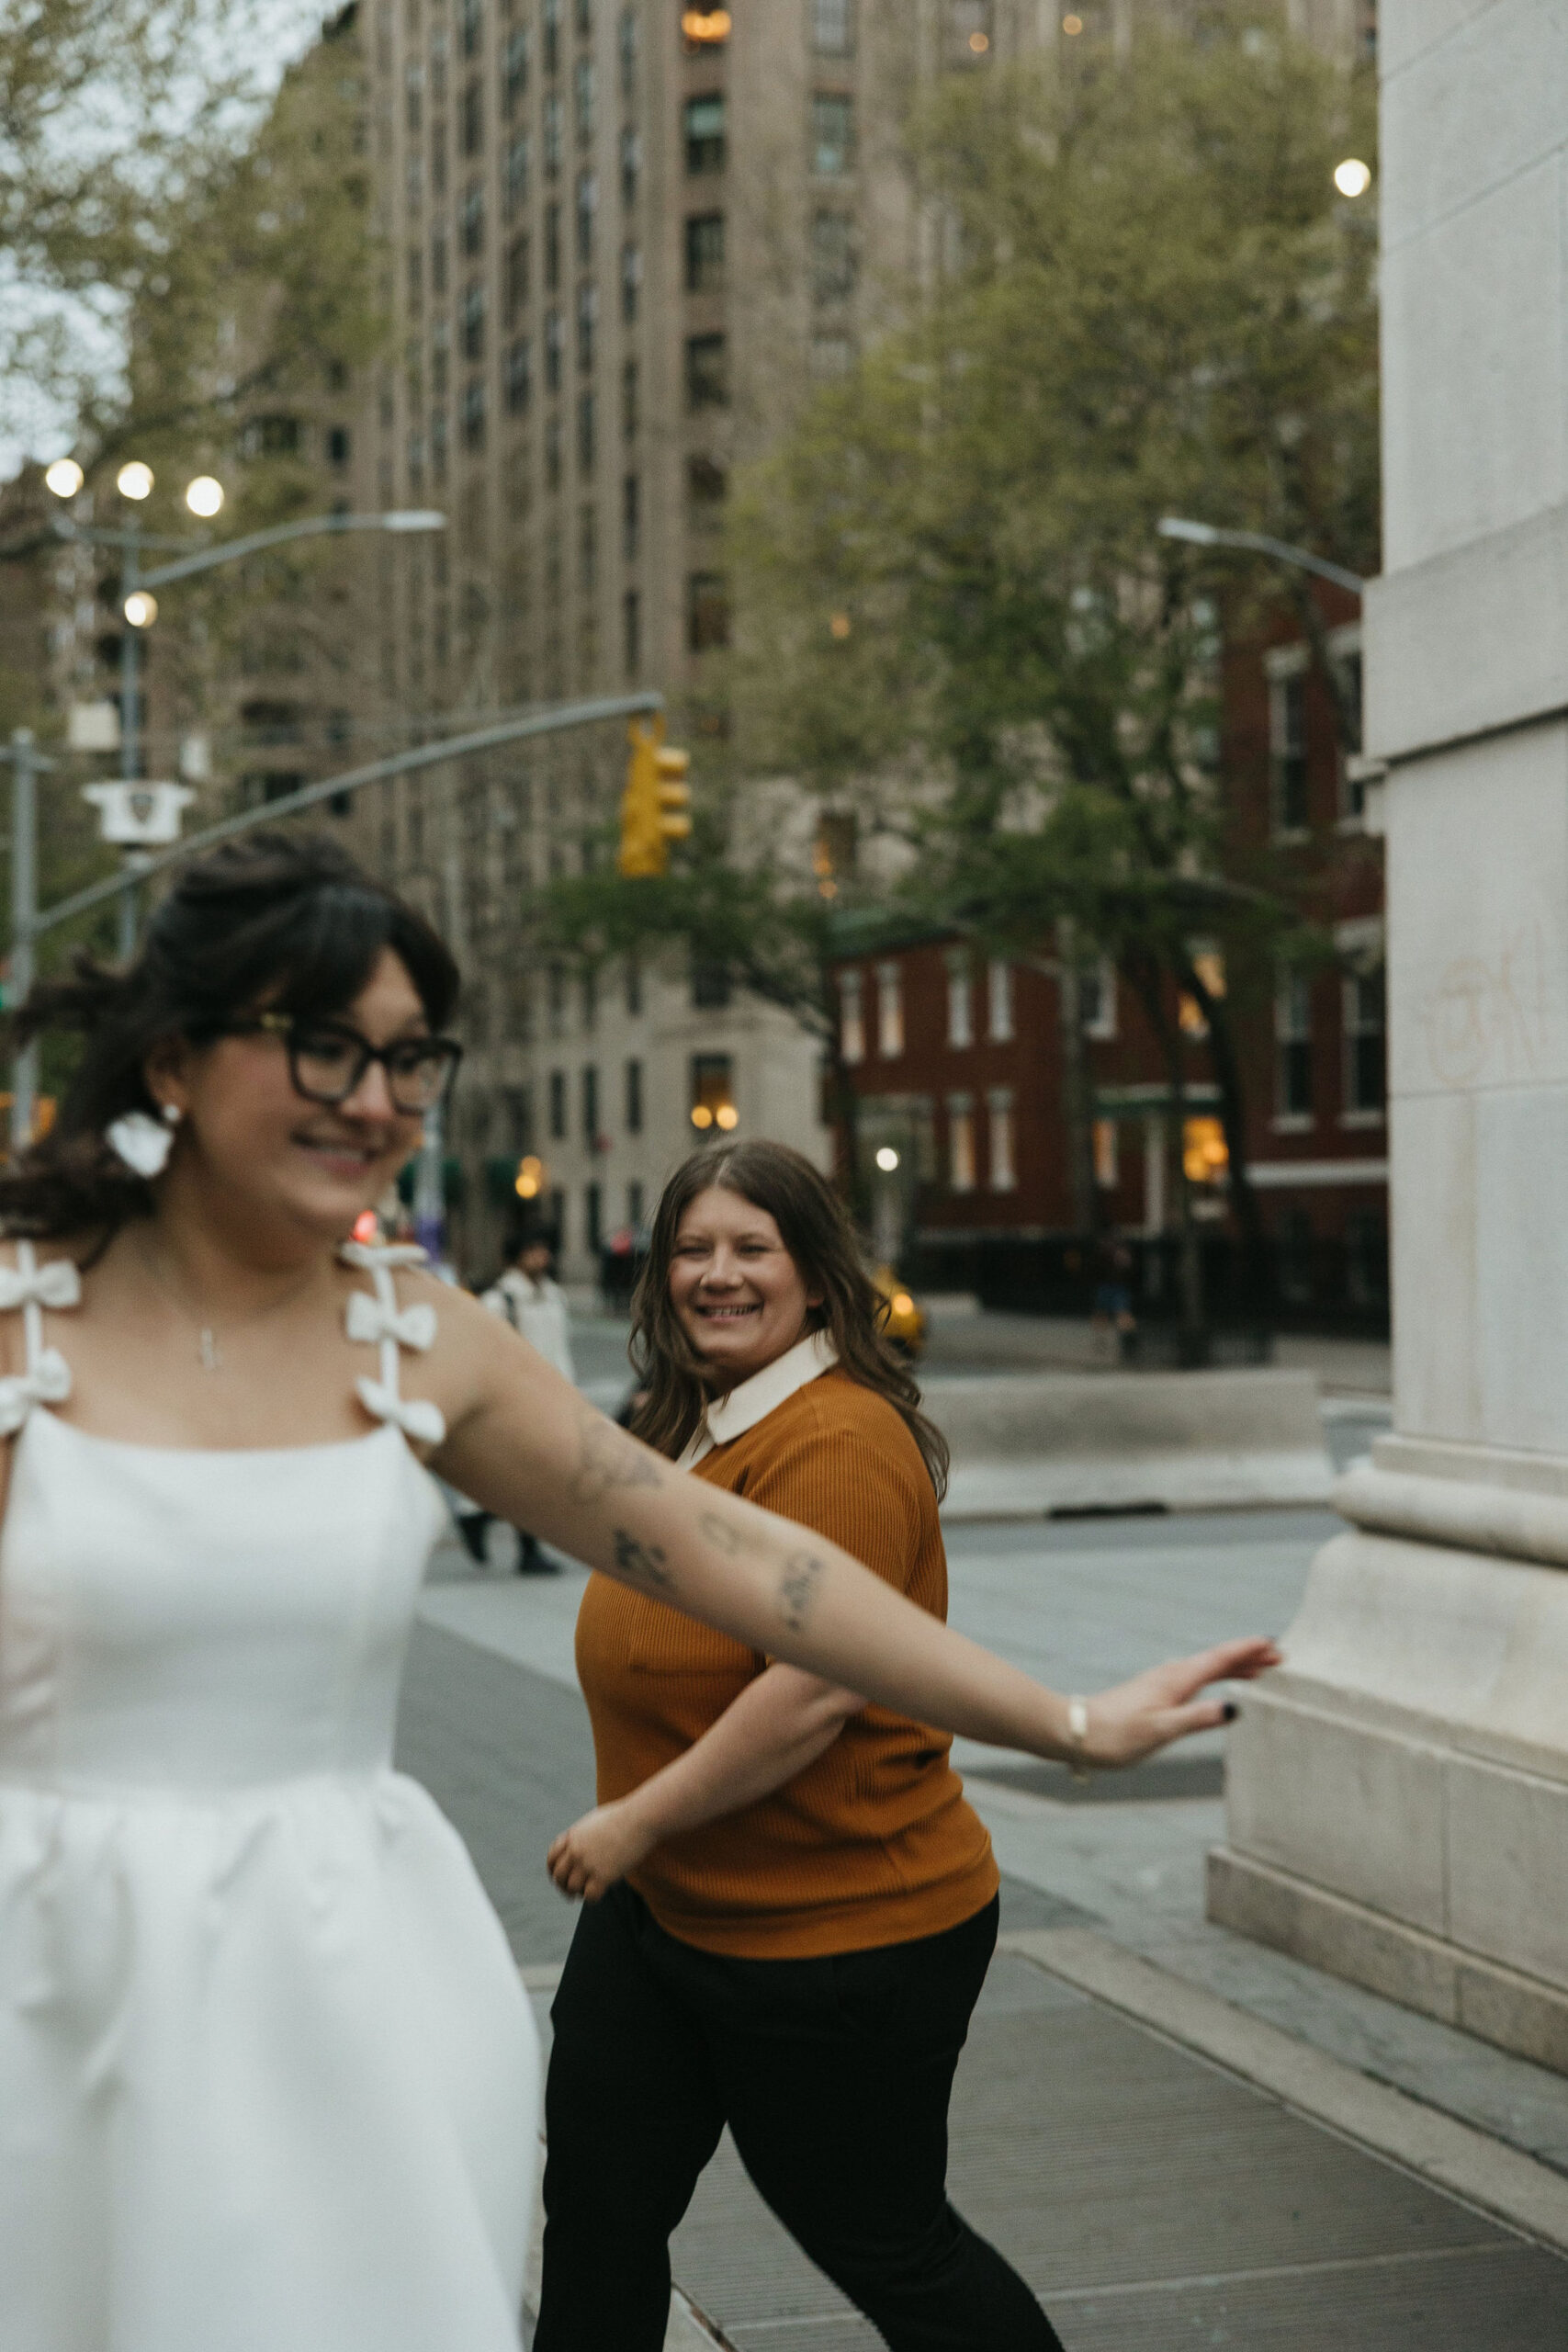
1154 301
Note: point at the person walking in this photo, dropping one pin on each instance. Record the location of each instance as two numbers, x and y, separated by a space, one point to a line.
267 2075
790 1906
527 1297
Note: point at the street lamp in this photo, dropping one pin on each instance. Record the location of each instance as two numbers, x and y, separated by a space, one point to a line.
64 478
1211 534
134 481
204 496
141 609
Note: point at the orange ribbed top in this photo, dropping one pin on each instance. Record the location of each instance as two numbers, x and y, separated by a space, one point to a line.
872 1844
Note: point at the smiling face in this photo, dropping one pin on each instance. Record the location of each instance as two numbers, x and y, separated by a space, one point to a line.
276 1158
737 1293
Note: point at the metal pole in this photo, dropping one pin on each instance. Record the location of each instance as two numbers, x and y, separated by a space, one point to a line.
129 731
24 924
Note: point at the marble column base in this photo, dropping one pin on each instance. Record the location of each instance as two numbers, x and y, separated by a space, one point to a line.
1397 1794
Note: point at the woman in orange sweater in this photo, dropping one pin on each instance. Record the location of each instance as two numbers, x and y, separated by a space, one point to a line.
790 1906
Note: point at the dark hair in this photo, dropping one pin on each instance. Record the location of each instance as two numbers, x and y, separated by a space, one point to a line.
285 918
815 1228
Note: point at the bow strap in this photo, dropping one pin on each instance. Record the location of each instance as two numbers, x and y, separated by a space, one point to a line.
48 1383
368 1255
57 1285
415 1415
373 1319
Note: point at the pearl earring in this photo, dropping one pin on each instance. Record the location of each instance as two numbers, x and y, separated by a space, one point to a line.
144 1144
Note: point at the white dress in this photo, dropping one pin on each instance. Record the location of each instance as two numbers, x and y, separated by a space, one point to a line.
268 2079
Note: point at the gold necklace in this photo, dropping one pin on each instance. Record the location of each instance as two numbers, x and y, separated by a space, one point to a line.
208 1354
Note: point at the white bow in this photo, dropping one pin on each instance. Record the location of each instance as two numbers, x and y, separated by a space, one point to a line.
370 1319
49 1382
415 1415
368 1255
57 1285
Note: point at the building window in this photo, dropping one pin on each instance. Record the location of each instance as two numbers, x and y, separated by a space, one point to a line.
1097 998
628 49
710 985
339 445
999 1001
473 219
555 350
633 987
631 632
704 252
517 68
550 126
438 443
415 180
833 28
1103 1138
629 401
552 453
705 134
588 550
1348 674
587 325
635 1205
631 517
706 487
1366 1259
960 998
707 611
960 1143
473 119
590 1105
416 277
634 1098
593 1219
832 134
413 87
473 26
631 167
515 186
713 1093
889 1011
583 87
631 283
1366 1022
587 212
587 432
999 1105
516 277
832 256
1286 746
551 28
557 1105
852 1017
473 323
1293 1044
1293 1239
474 413
708 371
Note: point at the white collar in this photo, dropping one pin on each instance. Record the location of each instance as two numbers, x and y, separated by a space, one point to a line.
731 1417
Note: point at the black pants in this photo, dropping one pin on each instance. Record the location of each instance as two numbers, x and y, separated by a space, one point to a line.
834 2076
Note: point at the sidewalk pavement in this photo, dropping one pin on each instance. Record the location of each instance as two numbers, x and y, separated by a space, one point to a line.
1180 2136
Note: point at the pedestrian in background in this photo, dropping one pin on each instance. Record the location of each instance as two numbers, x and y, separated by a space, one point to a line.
792 1907
527 1297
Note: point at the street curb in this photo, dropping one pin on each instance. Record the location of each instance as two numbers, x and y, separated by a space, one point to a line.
1486 2173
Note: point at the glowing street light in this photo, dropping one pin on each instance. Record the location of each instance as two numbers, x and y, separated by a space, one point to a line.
64 478
205 495
134 481
887 1160
1352 177
530 1178
141 609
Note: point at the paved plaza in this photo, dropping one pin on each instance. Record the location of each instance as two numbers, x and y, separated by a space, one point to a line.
1138 2122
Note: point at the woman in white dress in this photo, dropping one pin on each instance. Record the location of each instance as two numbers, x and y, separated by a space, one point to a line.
267 2079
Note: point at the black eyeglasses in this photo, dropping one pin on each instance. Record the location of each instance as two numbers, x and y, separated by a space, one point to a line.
327 1061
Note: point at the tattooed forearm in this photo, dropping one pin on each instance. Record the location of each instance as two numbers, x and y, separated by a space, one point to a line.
641 1563
606 1458
803 1574
723 1536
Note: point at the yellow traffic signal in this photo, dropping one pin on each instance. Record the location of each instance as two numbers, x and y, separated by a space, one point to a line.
655 802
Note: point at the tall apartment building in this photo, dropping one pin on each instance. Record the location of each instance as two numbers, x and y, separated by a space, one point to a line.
624 242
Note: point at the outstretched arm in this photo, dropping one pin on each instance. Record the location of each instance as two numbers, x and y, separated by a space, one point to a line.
529 1449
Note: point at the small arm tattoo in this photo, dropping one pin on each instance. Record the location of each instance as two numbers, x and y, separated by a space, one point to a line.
641 1563
606 1459
803 1574
721 1535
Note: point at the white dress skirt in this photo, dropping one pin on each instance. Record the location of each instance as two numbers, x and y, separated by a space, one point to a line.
268 2079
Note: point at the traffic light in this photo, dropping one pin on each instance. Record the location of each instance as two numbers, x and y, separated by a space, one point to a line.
654 804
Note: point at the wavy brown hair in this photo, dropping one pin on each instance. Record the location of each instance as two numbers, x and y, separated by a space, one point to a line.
814 1228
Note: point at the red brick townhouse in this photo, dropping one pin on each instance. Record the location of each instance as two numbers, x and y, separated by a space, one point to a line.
959 1062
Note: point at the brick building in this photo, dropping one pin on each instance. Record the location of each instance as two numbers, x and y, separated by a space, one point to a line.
962 1064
